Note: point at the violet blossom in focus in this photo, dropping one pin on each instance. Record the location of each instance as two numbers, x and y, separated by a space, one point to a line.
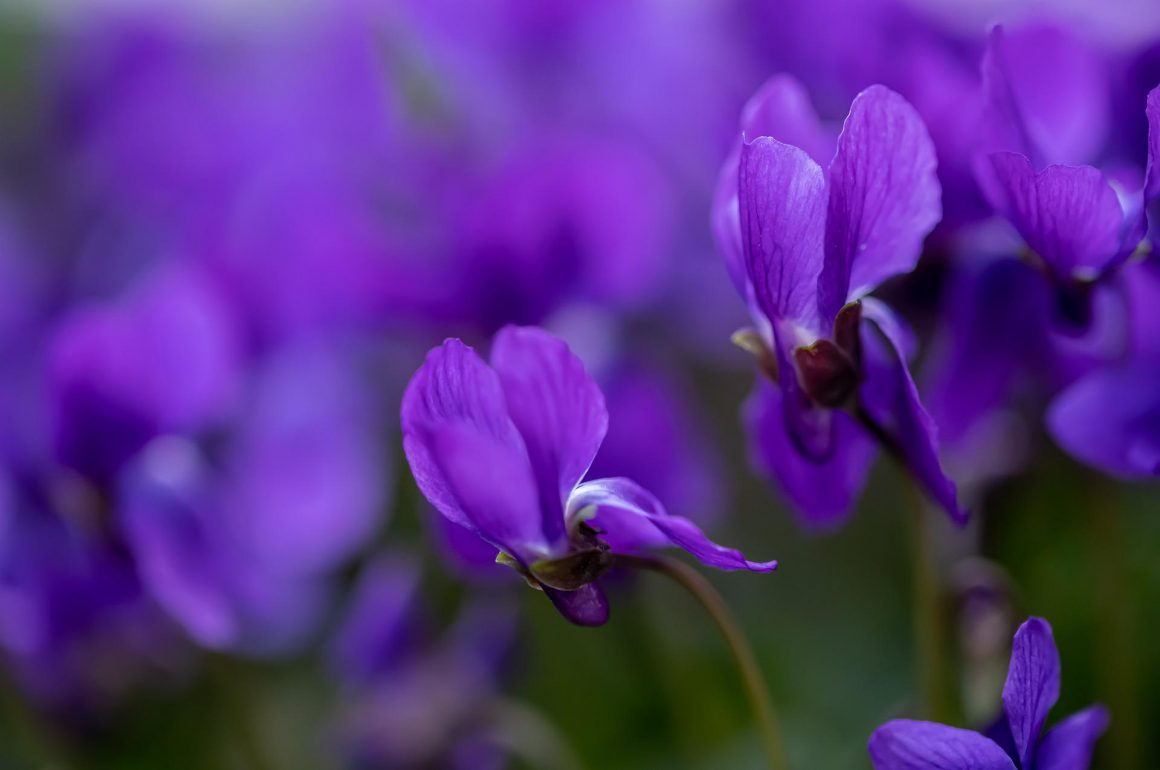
1017 742
502 451
804 250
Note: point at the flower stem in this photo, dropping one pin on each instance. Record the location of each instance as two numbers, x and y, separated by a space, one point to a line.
928 627
702 590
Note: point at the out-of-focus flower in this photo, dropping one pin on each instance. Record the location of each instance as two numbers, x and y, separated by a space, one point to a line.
804 250
1070 217
1017 742
417 700
1021 329
502 451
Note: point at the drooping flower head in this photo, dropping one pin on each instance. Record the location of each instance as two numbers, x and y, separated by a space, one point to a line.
804 249
502 450
1017 742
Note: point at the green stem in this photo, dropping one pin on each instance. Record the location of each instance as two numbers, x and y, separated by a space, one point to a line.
696 584
928 627
1119 664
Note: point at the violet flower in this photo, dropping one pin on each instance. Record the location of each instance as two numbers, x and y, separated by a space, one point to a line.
502 450
1032 688
804 250
1070 216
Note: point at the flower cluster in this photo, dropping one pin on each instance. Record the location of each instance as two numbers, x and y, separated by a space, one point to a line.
230 235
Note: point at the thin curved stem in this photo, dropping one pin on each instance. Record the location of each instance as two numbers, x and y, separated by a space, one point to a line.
702 590
928 626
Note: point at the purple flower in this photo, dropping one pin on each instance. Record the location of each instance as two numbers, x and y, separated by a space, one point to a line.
804 249
502 450
1078 226
1032 688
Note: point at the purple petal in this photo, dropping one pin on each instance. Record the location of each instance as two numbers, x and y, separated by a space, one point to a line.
306 478
1044 94
725 218
494 487
907 745
586 606
781 109
781 194
622 506
1152 178
1068 215
162 358
821 493
1070 744
884 198
558 410
455 387
1111 420
1032 686
993 331
891 398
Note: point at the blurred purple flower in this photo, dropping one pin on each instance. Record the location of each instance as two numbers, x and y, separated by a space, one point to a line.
804 251
237 540
502 451
1042 96
417 700
1110 418
1032 688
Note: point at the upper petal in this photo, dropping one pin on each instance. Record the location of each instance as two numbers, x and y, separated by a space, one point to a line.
1069 215
781 194
1111 420
631 518
891 399
781 109
909 745
821 493
884 198
1044 95
454 387
492 485
1069 745
558 409
1032 686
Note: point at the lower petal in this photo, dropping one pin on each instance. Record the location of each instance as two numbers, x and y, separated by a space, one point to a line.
1111 420
908 745
890 399
821 493
631 518
1069 745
